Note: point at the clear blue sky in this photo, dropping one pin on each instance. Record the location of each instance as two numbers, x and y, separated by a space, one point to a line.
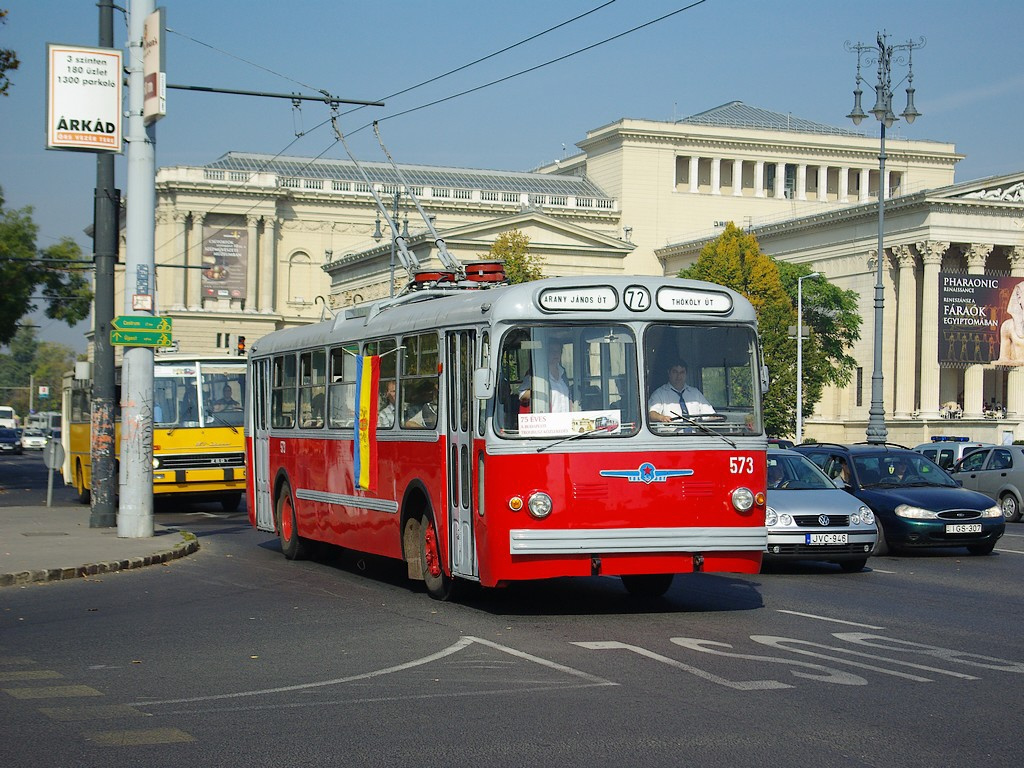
785 56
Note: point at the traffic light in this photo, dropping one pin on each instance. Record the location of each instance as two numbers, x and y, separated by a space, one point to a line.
241 346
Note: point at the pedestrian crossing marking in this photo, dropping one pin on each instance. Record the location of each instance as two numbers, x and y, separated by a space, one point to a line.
91 712
52 692
29 674
139 738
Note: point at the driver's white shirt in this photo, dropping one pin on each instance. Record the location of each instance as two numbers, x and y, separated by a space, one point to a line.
665 400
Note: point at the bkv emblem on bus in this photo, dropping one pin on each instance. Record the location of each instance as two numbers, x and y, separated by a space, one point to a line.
646 473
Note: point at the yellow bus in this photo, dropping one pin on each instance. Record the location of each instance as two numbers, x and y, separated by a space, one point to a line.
198 449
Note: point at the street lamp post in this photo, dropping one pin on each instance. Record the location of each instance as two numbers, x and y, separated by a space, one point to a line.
800 355
883 52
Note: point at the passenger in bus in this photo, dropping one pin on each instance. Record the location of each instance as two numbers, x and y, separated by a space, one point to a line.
227 401
424 416
675 398
386 412
558 388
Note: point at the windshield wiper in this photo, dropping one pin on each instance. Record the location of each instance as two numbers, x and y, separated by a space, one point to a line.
214 417
574 436
702 427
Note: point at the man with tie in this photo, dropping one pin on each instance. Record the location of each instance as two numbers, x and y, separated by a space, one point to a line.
675 399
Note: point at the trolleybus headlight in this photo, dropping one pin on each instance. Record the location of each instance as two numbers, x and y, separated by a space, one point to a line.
156 463
539 505
742 500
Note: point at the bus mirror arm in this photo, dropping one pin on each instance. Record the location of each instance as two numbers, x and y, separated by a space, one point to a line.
483 384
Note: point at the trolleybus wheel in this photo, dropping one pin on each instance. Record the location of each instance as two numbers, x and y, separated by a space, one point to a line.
440 586
83 492
230 502
648 585
293 545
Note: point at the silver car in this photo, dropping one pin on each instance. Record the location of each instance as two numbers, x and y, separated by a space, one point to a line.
33 440
998 472
811 518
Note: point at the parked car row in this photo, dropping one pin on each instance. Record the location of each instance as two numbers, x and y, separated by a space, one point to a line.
916 504
17 441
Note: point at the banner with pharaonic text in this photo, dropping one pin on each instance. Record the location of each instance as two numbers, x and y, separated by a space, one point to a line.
981 320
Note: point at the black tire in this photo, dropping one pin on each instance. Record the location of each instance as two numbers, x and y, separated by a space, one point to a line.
83 493
1011 510
853 566
440 585
230 502
982 549
648 585
293 546
881 545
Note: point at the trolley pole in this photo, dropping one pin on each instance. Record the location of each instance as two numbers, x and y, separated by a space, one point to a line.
106 212
135 518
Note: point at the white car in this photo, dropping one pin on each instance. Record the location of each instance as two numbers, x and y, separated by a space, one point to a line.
810 518
33 440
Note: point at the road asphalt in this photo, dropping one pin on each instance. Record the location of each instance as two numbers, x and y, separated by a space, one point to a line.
54 543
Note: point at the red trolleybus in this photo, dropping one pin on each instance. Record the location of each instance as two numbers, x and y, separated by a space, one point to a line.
515 437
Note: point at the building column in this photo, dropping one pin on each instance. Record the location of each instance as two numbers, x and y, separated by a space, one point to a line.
251 262
268 264
780 180
716 175
194 293
737 178
974 376
906 331
694 170
822 183
931 252
865 182
844 184
1015 379
759 178
801 182
179 258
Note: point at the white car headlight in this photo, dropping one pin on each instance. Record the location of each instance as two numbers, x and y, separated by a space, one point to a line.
992 512
863 515
915 513
771 517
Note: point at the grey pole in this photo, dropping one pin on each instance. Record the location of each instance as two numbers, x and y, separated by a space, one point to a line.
135 518
106 212
882 52
800 356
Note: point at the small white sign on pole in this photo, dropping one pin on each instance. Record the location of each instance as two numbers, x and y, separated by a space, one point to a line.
84 98
154 105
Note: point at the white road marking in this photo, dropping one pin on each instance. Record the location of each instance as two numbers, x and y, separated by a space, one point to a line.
829 618
459 645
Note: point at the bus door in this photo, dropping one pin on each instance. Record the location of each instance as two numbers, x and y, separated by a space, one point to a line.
460 408
259 411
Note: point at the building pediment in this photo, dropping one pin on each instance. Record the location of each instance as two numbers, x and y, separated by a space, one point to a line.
1008 188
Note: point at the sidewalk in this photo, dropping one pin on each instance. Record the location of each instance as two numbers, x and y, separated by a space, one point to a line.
53 543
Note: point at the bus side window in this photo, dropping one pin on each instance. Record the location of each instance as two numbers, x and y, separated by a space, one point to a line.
313 389
418 395
342 389
282 395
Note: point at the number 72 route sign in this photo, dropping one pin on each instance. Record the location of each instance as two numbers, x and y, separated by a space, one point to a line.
141 331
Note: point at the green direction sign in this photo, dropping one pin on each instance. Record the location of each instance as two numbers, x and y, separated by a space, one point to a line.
141 338
141 323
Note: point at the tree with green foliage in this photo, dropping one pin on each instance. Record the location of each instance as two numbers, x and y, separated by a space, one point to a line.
31 363
8 60
735 260
513 248
58 272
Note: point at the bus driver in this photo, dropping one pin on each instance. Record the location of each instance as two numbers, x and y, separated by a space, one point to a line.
675 399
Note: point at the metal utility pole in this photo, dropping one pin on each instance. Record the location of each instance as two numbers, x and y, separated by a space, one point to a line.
106 213
135 518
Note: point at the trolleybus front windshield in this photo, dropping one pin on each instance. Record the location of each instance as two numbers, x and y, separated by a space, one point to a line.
557 381
194 395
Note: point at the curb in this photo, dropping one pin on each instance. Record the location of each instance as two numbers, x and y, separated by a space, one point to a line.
188 545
